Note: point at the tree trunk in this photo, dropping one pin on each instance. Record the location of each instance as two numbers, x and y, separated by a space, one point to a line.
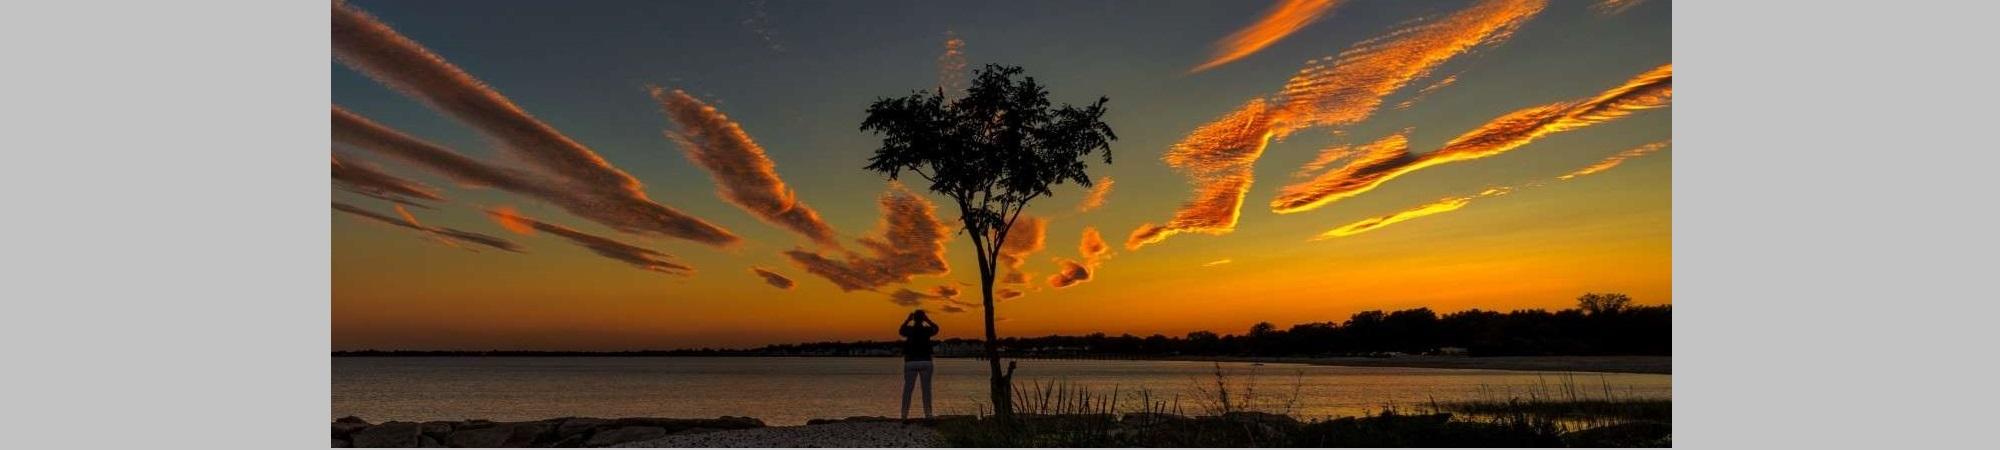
1002 385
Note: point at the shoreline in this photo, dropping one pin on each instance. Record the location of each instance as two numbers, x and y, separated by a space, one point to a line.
1653 365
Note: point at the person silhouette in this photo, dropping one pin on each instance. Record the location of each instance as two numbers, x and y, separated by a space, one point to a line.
917 330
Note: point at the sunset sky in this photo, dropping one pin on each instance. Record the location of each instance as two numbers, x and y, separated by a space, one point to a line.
594 178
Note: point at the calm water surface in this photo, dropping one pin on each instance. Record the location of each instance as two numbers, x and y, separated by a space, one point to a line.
789 391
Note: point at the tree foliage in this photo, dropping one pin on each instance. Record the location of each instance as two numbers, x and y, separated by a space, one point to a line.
991 151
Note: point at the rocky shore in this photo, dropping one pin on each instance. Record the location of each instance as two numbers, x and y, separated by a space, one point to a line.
562 432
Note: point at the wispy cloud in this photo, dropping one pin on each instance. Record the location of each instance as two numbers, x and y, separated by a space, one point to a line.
373 48
1450 204
365 179
1283 19
1437 207
910 241
623 213
1652 89
1217 262
448 236
1614 160
1092 249
773 278
1099 193
639 257
1438 85
744 173
1006 293
1613 7
951 65
759 23
1028 235
944 295
1219 156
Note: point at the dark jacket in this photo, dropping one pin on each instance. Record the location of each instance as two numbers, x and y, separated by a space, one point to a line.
917 342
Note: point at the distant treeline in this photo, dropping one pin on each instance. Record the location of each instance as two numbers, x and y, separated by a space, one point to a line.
1602 324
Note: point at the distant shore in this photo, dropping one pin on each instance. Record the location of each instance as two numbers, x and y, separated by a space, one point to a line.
1662 365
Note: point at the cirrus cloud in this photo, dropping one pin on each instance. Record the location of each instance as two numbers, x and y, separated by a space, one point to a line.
743 174
614 197
640 257
909 241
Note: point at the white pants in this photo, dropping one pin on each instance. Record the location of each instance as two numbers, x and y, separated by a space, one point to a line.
911 371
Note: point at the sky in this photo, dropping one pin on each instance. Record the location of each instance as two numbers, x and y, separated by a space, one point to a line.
651 175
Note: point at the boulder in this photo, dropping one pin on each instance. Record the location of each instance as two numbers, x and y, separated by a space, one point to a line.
676 425
344 430
428 442
390 434
500 435
436 430
341 443
484 437
350 419
615 436
577 426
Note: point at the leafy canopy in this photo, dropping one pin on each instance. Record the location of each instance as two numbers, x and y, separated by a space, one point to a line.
992 150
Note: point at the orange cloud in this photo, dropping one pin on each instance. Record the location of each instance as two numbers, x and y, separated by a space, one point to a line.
1217 262
1006 293
1219 156
639 257
1454 203
1027 236
448 236
1094 251
367 180
1438 207
910 241
745 175
951 65
1427 90
1099 193
622 213
373 48
1649 90
945 295
1283 19
773 278
1614 160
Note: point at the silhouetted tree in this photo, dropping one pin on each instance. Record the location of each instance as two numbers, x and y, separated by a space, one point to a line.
1595 303
991 151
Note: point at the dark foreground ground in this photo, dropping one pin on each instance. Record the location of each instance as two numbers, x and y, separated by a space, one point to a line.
1612 364
1233 429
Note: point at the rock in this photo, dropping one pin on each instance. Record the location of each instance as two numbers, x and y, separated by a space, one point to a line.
436 430
675 425
350 419
500 435
341 443
578 425
428 442
617 436
487 437
344 430
390 434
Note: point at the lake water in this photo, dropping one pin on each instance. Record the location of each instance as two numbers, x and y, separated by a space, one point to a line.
789 391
